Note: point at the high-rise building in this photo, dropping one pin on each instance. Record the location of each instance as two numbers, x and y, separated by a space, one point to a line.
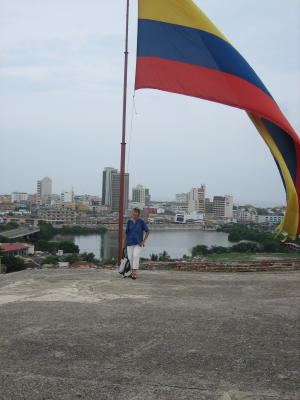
223 206
111 188
115 193
228 206
107 185
141 195
44 189
147 197
208 206
196 200
138 194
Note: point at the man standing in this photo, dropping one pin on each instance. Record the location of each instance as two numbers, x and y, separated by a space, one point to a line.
135 240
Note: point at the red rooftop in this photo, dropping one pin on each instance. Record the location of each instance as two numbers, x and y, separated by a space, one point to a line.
14 249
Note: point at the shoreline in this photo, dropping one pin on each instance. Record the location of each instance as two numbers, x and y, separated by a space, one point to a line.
166 227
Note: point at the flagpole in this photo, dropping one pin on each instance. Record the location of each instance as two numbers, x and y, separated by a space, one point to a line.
123 143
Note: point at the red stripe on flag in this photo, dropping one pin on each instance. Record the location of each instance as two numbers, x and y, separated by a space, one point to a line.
208 84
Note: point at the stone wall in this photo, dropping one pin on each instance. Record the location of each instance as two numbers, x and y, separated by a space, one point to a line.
225 266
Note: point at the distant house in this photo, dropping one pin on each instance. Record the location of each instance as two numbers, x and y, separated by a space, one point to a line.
15 249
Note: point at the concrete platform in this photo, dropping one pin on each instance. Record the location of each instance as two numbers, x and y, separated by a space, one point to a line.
90 334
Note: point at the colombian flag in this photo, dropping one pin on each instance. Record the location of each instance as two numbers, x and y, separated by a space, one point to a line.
180 50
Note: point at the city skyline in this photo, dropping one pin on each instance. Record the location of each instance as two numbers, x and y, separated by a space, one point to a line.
130 189
169 197
111 188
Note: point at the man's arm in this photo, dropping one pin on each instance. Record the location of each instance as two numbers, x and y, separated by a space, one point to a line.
145 237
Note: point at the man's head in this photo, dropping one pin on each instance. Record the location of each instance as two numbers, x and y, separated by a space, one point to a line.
135 213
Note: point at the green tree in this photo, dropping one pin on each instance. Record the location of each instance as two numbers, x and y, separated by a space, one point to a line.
199 250
9 226
245 247
13 263
164 256
90 257
71 258
53 260
274 246
5 240
218 249
234 237
47 231
153 257
108 261
45 245
68 247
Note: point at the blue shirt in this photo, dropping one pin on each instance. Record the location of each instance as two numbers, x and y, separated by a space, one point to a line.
135 232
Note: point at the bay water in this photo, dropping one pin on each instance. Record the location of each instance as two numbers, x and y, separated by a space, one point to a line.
176 243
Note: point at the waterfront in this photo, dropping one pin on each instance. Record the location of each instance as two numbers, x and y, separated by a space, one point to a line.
176 243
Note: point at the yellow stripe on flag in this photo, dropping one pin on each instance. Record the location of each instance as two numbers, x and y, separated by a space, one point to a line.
179 12
291 218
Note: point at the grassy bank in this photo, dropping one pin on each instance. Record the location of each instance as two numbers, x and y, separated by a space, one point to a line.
251 256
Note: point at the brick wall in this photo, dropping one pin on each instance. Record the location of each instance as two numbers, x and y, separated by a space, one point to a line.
234 266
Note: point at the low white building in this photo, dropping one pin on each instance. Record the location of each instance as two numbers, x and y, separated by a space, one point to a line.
67 197
179 207
274 219
183 218
182 197
135 204
17 197
246 214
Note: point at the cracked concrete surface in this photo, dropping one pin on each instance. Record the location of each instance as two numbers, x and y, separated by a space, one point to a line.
90 334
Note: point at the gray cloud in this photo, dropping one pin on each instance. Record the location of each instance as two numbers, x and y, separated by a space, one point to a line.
61 91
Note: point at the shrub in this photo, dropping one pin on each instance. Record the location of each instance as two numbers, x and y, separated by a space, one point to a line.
8 226
90 257
164 256
234 237
46 231
245 247
53 260
44 245
68 247
274 246
108 261
13 263
218 250
199 250
71 258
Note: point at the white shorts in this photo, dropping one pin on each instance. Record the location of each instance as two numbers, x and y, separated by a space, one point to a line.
134 253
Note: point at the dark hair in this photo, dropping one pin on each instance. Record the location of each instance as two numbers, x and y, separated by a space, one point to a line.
137 210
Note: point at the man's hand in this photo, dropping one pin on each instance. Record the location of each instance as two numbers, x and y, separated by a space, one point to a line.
143 243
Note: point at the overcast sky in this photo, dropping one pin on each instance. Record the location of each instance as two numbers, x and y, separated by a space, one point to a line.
61 66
